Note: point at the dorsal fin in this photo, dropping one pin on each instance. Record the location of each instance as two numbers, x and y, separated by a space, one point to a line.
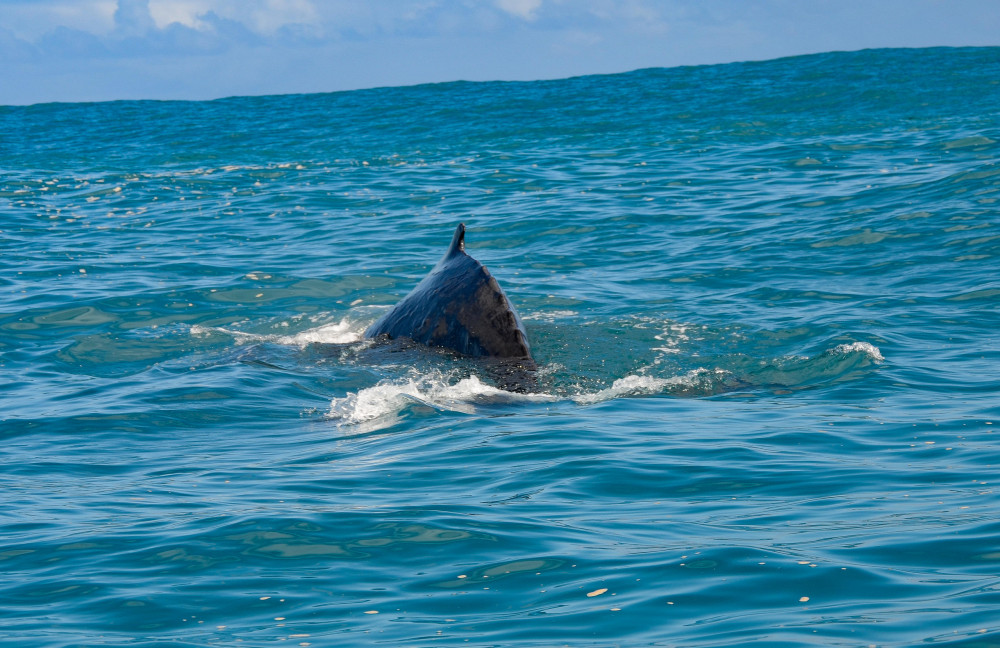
457 242
460 306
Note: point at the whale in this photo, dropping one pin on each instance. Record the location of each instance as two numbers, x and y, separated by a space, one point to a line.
459 306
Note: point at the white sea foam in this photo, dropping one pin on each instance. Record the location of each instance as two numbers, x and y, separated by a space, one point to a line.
343 332
383 402
549 316
346 331
638 385
675 337
380 406
870 350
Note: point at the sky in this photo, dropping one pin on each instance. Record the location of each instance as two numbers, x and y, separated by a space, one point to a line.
99 50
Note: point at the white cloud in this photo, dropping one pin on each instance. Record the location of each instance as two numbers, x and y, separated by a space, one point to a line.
317 19
526 9
270 15
132 18
182 12
29 21
14 49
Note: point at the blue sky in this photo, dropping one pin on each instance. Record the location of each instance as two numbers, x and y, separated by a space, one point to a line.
94 50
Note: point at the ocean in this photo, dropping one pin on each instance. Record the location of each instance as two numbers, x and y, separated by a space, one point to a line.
763 298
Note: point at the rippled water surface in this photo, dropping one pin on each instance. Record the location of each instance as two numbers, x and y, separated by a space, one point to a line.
763 298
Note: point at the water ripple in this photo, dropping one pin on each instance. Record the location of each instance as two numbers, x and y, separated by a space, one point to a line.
762 297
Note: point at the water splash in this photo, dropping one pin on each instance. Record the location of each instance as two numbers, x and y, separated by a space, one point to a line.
385 401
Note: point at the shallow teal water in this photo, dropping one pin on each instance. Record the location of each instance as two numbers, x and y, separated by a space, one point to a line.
764 298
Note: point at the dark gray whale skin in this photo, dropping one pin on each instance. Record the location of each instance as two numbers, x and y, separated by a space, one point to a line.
460 306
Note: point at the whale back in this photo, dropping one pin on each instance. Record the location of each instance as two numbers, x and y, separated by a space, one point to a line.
459 306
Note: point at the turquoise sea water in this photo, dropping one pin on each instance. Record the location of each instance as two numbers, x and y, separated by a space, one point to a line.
763 297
